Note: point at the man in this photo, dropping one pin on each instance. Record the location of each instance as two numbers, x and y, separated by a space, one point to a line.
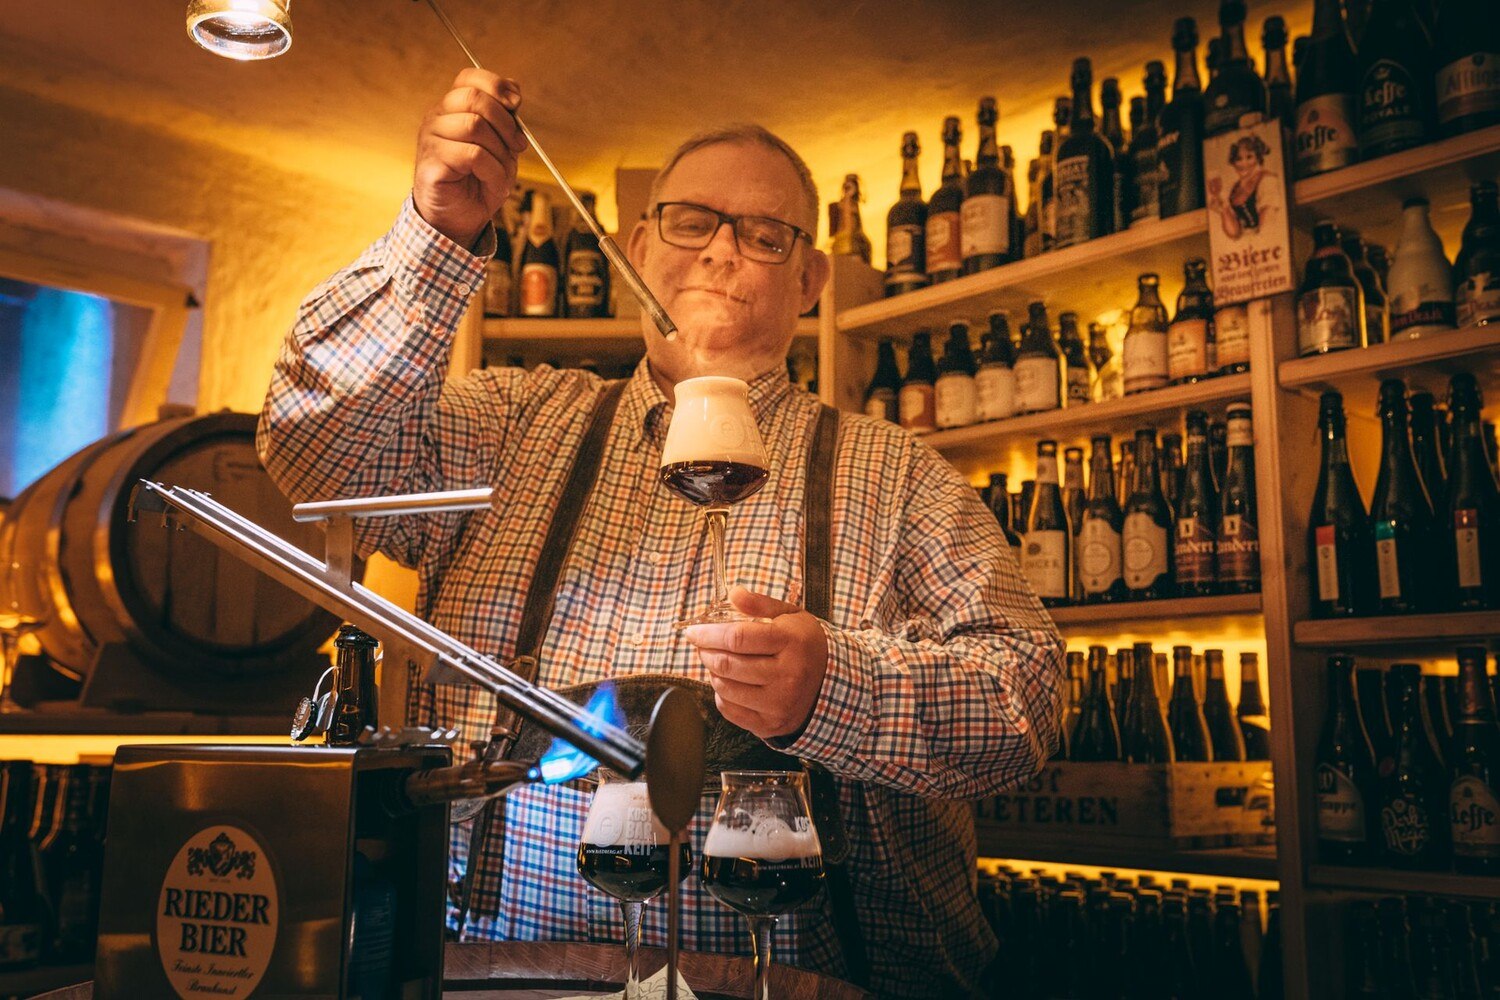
935 680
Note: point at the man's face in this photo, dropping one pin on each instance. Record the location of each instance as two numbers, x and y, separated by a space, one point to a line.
734 316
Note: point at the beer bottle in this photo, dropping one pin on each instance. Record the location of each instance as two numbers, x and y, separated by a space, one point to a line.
1000 506
1112 128
1169 457
1038 365
1238 96
1099 530
1426 449
1472 517
1017 224
1047 150
1125 470
1474 770
1085 170
1395 935
1098 735
1377 315
1238 542
1145 352
1196 517
1280 104
1072 707
1231 329
995 382
1179 150
1124 681
1381 262
1177 977
358 703
1109 377
1255 722
885 386
1400 513
72 861
915 402
1476 272
1127 201
1330 303
989 204
906 227
1218 449
1223 730
1047 554
1325 136
1148 525
1414 792
539 262
23 909
1394 100
498 285
1072 490
955 398
944 238
849 239
1231 973
1421 282
1031 227
1184 714
1339 533
1369 688
587 289
1436 718
1190 338
1345 773
1145 170
1468 76
1023 501
1212 58
1075 359
1144 735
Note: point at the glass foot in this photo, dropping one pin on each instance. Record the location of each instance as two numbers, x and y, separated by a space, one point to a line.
717 614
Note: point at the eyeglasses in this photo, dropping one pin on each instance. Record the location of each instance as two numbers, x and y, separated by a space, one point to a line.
757 237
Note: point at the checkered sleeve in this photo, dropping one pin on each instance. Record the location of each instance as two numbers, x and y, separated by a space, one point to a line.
357 404
957 691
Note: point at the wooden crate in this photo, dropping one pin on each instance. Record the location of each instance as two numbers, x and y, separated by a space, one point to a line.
1140 806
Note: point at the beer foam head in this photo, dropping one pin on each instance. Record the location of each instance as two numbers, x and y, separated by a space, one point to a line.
621 814
712 422
768 838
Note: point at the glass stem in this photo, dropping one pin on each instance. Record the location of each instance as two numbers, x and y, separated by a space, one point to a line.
632 913
760 932
718 519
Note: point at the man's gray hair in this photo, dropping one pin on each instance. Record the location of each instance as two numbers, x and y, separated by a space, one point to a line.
742 133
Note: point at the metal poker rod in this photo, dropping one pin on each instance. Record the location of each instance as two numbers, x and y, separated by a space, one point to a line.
607 245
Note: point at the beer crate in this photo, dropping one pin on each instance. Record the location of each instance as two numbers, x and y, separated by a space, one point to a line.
1138 806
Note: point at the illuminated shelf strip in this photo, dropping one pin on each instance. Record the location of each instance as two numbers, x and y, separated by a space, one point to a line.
1244 862
1088 615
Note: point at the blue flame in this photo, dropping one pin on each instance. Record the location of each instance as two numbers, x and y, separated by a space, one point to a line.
565 762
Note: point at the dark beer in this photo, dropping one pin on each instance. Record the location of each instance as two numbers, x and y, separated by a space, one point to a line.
760 888
714 483
631 872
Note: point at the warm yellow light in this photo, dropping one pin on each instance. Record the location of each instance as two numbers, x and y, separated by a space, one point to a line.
241 29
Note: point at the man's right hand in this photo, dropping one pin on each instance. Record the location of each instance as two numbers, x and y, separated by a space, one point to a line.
466 155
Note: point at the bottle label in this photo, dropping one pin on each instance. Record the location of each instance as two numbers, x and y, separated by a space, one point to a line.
995 386
1145 551
1325 134
1037 384
1075 201
587 273
1232 336
1389 111
1145 360
1474 818
1044 559
1326 544
882 405
1079 390
916 405
1187 349
1240 433
1468 86
1327 319
1466 541
1478 297
903 244
1239 550
497 282
1146 178
1426 305
1098 555
983 227
956 400
1408 828
1341 809
1193 551
538 290
943 243
1385 559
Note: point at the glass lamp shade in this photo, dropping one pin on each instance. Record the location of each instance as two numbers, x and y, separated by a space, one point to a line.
241 29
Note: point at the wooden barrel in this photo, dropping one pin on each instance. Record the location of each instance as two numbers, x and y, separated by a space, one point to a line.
74 562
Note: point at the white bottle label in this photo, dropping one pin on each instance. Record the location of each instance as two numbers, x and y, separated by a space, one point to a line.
1145 360
1385 560
1327 319
1328 563
915 404
900 246
1145 551
1466 541
1044 557
943 242
1478 298
1037 384
957 400
1341 809
1075 201
1098 555
1187 349
996 387
1079 390
1474 816
982 228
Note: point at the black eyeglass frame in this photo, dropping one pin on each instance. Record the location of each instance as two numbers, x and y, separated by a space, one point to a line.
733 222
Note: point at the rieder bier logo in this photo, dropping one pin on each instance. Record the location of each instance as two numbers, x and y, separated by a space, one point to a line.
216 918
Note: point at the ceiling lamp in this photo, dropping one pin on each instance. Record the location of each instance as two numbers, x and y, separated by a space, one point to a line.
241 29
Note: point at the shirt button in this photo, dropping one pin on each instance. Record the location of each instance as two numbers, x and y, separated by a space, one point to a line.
639 638
463 289
653 557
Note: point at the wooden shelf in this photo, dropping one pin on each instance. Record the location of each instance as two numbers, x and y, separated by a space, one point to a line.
1427 363
1092 278
1368 196
1350 878
614 338
1228 613
44 979
1398 632
999 443
1227 862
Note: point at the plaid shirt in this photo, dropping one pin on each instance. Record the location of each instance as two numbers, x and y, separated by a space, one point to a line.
944 673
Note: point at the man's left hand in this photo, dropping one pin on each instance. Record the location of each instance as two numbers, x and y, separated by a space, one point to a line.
766 674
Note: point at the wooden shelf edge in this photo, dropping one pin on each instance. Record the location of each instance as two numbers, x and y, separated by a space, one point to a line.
1223 862
621 328
1353 879
1029 270
1383 630
1172 608
1389 168
1392 358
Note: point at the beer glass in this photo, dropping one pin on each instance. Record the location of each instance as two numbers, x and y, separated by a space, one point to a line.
624 854
714 457
762 856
